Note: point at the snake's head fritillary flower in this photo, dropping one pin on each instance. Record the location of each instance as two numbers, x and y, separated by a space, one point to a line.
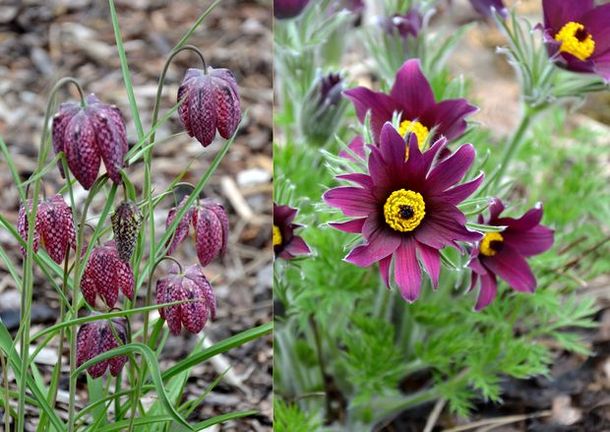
412 98
283 9
211 227
576 33
403 25
286 244
504 253
54 228
126 223
488 7
89 135
210 102
406 208
97 337
105 274
193 287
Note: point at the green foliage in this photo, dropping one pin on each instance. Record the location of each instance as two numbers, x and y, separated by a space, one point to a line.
289 418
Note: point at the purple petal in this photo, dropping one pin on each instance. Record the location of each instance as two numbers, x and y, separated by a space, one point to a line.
357 147
431 260
448 117
111 142
452 169
208 236
411 88
526 222
532 242
296 247
488 291
81 150
513 268
380 245
352 226
596 23
407 272
459 193
363 180
380 105
227 108
193 314
496 207
384 269
352 201
559 12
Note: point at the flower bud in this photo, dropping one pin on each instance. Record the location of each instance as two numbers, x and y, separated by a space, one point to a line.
407 25
126 223
105 274
210 102
192 286
283 9
89 135
486 7
97 337
322 115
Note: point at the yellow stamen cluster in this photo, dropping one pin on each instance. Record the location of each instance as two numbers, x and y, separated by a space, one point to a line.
277 236
404 210
420 131
485 247
576 40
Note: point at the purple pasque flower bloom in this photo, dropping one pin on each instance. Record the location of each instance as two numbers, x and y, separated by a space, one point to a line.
503 253
487 7
283 9
54 227
406 209
285 244
106 273
211 102
89 135
211 225
406 25
191 285
576 33
411 96
97 337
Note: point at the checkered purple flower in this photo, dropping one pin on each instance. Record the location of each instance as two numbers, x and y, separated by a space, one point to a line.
96 338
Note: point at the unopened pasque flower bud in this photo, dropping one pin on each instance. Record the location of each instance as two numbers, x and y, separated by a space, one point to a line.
283 9
192 285
210 102
126 223
407 25
105 274
211 226
325 107
89 135
54 227
97 337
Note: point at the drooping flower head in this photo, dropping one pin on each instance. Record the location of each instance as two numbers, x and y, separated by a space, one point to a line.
285 244
403 25
126 223
411 96
191 285
88 136
283 9
97 337
405 209
211 102
54 228
105 274
503 253
211 228
487 7
576 32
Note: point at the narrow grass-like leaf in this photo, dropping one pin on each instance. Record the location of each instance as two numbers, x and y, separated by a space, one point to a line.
153 367
12 168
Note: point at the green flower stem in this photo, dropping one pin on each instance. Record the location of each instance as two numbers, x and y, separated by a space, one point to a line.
511 149
28 265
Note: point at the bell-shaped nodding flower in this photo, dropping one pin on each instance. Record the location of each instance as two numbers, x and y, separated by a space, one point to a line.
192 285
126 223
211 226
89 135
105 274
54 228
210 103
97 337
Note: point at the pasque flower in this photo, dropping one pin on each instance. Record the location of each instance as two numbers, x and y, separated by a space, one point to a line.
192 285
89 135
411 96
283 9
405 209
54 227
576 33
97 337
285 244
322 114
126 223
210 102
502 254
404 25
211 226
487 7
105 273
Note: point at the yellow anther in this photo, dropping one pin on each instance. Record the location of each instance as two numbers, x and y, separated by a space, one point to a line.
491 243
420 131
277 236
576 40
404 210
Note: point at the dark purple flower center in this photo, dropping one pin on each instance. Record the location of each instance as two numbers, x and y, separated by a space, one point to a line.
581 34
496 245
406 212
